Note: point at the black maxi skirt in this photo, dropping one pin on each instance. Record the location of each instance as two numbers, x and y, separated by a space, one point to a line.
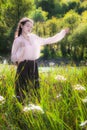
27 78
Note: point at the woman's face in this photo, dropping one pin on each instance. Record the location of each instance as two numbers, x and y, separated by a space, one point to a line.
27 27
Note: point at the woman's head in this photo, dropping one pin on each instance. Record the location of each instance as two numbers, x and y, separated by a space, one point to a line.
25 25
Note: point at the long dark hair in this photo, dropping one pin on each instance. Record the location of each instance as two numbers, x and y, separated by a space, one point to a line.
22 22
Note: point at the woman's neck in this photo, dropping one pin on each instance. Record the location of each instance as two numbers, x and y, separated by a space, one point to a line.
25 35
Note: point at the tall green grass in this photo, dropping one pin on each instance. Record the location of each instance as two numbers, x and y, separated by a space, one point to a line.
60 98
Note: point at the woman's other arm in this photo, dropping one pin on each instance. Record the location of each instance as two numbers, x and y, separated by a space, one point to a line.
56 38
17 51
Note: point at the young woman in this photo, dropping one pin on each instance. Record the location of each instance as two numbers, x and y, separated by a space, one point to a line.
25 52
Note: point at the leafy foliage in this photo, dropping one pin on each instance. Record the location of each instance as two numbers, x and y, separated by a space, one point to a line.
62 97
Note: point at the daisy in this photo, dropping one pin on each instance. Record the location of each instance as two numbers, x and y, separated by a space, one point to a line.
84 100
2 99
79 87
32 107
60 77
59 95
83 124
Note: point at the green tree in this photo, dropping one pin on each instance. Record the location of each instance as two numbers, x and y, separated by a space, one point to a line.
3 27
82 7
39 15
53 26
71 20
79 42
84 17
48 6
16 10
12 11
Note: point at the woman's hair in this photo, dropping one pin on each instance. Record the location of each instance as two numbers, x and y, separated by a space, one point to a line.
22 22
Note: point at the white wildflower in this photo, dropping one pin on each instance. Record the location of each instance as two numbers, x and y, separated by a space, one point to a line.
33 108
79 87
2 99
60 77
59 95
83 124
84 100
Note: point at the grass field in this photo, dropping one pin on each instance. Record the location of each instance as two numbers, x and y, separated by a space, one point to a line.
62 103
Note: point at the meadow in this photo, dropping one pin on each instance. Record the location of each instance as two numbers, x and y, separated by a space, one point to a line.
61 104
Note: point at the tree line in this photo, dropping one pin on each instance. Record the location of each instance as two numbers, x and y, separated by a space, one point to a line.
50 16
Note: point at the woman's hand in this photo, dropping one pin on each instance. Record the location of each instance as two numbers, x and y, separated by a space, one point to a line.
67 30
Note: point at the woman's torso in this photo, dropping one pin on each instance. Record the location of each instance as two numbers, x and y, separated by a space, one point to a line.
32 48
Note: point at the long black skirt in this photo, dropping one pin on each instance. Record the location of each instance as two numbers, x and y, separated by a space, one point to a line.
27 78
